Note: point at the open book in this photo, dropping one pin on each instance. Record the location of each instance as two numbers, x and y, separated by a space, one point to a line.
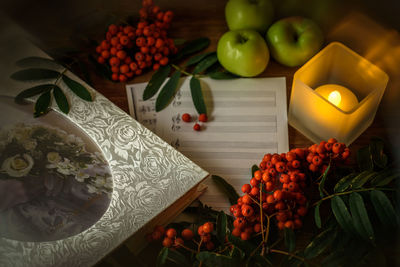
247 119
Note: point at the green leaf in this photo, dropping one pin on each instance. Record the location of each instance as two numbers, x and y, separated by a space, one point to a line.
246 246
101 69
384 208
364 159
317 217
192 47
197 96
254 168
35 61
225 187
178 258
156 81
334 259
237 253
322 182
162 256
319 243
342 214
168 91
179 41
221 226
361 179
344 183
34 74
378 156
197 58
33 91
222 75
42 104
61 99
214 259
290 239
77 88
360 217
385 177
205 63
258 261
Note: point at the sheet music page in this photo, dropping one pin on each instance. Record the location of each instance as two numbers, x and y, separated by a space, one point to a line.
247 119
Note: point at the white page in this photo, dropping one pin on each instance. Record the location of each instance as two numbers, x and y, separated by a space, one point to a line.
247 119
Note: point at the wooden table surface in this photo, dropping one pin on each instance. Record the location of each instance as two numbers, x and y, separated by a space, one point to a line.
367 29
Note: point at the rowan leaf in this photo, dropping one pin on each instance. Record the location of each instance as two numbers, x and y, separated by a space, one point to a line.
225 187
344 183
195 59
205 63
77 88
320 243
376 149
322 182
222 222
222 75
197 96
360 217
290 239
33 91
156 81
342 214
384 209
361 179
168 91
317 216
364 159
162 256
385 177
213 259
34 74
192 47
42 104
35 61
61 99
178 258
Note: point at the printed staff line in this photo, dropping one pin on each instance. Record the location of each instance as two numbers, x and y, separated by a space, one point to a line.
226 144
235 129
244 118
228 104
231 93
222 155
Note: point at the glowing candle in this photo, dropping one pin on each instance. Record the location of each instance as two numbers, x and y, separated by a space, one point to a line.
338 95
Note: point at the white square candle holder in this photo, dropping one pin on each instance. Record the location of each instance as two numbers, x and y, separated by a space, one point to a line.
335 94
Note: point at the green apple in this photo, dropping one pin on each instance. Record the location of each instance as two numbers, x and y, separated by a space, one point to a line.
243 52
249 14
294 40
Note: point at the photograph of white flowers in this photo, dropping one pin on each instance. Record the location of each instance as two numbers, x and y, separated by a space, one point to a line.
54 181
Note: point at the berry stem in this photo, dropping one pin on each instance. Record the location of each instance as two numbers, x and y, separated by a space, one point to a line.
261 214
181 70
352 191
59 76
188 249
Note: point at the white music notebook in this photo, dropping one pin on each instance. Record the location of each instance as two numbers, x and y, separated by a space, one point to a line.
247 119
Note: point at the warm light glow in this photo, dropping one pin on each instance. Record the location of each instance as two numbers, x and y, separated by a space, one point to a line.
335 98
338 95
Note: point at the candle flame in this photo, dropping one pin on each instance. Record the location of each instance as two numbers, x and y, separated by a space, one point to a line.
335 98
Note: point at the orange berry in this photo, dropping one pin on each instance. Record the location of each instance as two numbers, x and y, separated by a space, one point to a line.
128 29
200 230
139 56
114 69
156 66
122 78
159 43
164 61
289 224
167 242
115 77
171 233
144 49
114 62
124 68
98 49
208 227
245 236
156 235
101 60
236 232
121 54
133 66
187 234
138 72
258 175
105 45
141 41
178 242
197 127
124 40
105 54
246 188
210 245
270 199
186 117
202 117
113 29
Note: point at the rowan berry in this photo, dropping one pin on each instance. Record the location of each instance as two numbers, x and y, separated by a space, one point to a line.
98 49
208 227
284 179
165 51
236 232
210 245
269 186
289 224
138 72
254 182
164 61
178 242
200 230
257 228
167 242
187 234
275 159
186 117
302 211
280 166
124 68
296 164
345 154
278 195
206 238
310 157
159 43
247 210
239 223
115 76
245 236
317 160
338 148
255 191
124 40
297 223
105 45
114 69
144 49
282 216
140 41
113 29
281 225
160 16
128 60
171 233
156 235
197 127
142 64
294 177
101 60
203 116
332 140
280 205
168 16
114 62
270 199
292 186
246 188
290 156
128 29
156 66
139 56
299 153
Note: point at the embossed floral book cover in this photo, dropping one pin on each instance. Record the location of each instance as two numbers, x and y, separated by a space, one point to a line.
75 186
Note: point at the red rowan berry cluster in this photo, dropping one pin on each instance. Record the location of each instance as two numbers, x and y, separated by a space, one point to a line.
130 50
277 188
202 118
170 236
